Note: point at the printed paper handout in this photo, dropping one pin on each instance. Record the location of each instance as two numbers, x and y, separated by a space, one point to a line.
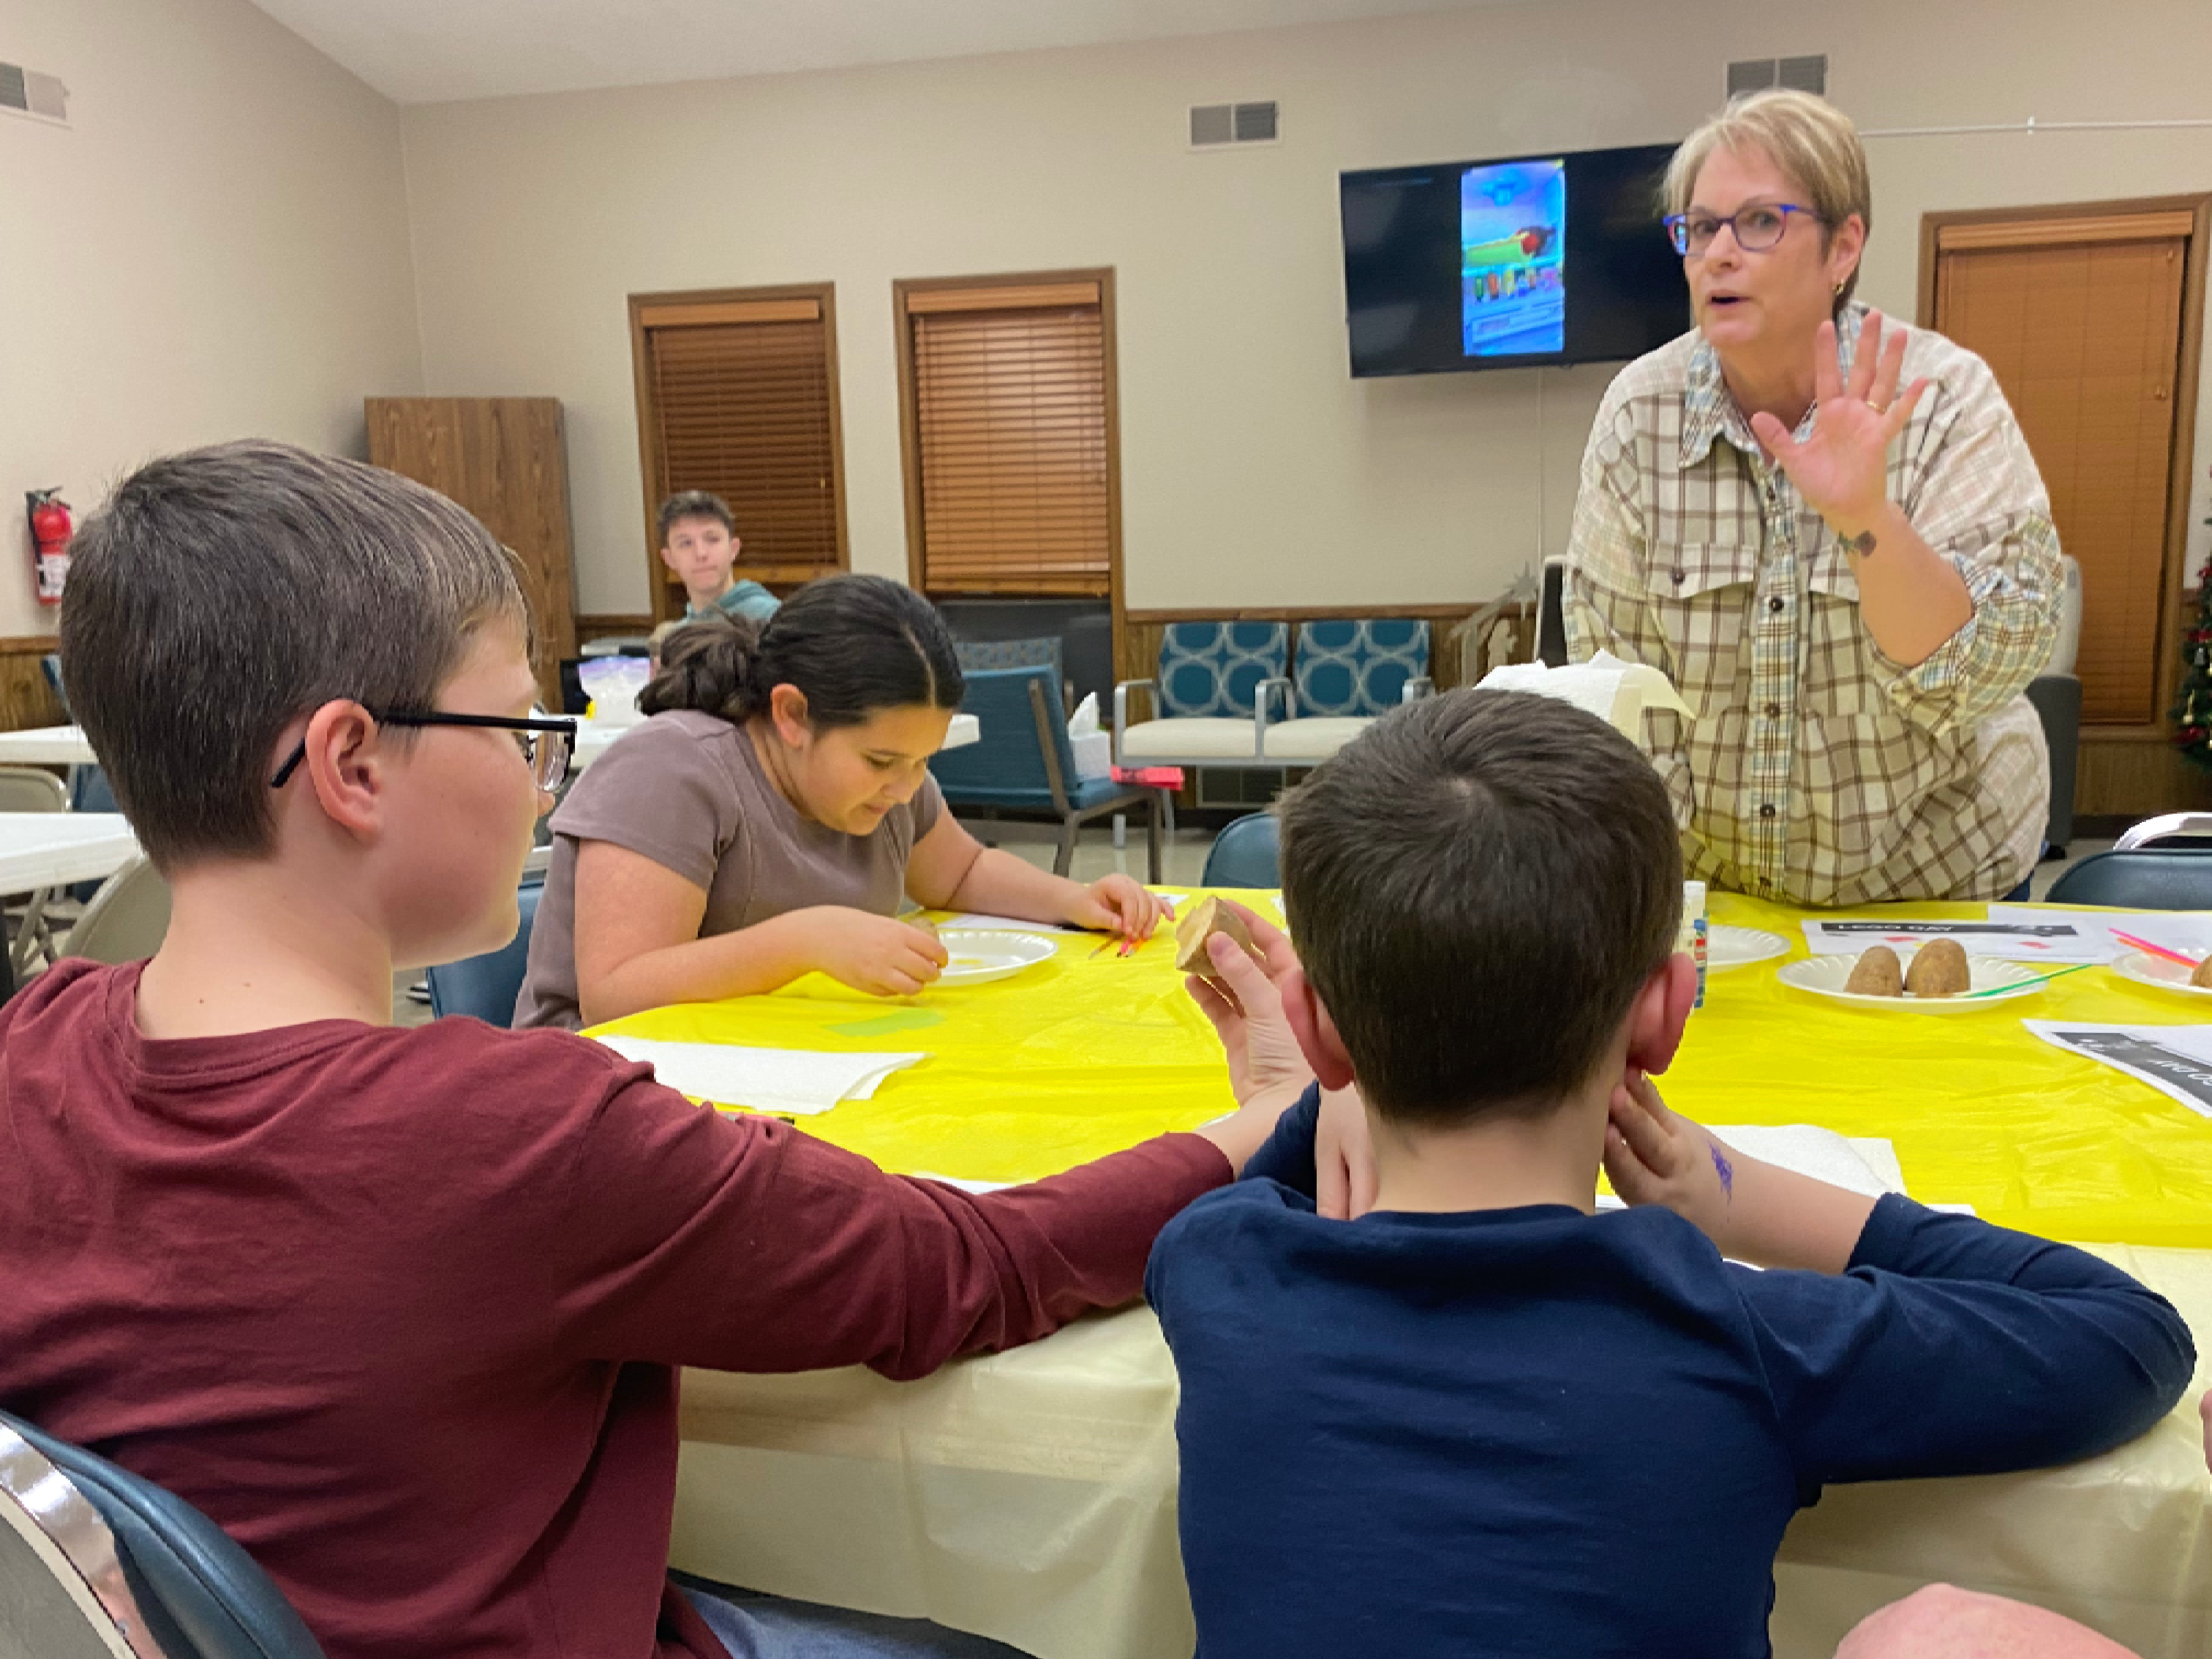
2059 941
2174 1060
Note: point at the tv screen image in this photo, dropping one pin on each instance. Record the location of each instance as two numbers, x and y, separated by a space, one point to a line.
1512 250
1510 262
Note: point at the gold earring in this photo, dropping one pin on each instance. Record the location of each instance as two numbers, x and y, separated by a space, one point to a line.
1839 290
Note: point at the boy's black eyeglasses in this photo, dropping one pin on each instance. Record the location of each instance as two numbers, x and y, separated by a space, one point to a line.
546 743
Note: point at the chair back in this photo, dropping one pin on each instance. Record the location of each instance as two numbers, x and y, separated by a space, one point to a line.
2167 830
194 1591
1011 764
1551 616
2148 878
90 791
485 988
1249 853
976 656
27 789
1360 668
62 1594
1215 668
127 919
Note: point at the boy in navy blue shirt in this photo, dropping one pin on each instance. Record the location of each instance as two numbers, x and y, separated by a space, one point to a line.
1483 1419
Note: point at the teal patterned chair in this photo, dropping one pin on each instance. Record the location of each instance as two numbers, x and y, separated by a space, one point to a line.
1346 672
1207 698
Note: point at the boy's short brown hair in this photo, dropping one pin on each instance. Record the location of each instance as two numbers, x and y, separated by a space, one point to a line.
220 594
695 504
1478 886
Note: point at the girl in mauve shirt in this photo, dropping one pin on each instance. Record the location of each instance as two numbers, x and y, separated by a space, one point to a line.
772 814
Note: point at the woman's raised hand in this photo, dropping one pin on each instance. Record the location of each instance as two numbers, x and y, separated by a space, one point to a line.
1841 468
880 955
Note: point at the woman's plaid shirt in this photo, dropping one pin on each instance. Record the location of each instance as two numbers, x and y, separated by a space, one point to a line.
1819 771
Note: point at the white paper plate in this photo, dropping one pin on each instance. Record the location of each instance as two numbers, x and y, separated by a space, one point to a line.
1730 947
1825 976
2157 973
982 954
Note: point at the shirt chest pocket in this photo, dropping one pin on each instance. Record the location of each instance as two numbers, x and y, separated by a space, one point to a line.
1701 597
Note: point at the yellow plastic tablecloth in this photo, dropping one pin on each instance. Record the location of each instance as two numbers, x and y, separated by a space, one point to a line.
1091 1053
1029 1496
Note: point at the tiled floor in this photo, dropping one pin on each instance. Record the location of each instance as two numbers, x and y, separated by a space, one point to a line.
1182 859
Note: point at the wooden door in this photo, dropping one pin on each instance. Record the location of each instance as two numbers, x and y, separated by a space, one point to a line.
505 460
2081 316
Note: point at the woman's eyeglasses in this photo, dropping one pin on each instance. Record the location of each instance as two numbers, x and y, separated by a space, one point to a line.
547 744
1756 228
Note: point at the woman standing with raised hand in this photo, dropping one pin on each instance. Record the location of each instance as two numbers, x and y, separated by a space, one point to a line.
765 821
1829 532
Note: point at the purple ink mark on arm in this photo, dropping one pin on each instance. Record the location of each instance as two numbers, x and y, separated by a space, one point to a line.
1725 1170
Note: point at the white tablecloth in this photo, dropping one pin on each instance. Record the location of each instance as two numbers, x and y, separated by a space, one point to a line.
46 745
1031 1497
52 849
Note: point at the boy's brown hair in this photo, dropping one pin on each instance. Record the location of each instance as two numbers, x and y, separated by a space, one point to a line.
695 504
220 594
1478 886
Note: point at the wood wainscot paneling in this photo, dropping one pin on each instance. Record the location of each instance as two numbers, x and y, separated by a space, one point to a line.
601 625
2131 775
26 699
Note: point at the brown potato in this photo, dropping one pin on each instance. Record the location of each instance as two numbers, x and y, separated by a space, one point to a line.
1939 969
1876 974
2202 977
1205 919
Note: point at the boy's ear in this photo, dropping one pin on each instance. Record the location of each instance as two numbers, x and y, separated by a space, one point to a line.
1316 1032
1662 1008
344 767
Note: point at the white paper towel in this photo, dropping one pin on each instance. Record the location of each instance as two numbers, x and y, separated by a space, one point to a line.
1617 692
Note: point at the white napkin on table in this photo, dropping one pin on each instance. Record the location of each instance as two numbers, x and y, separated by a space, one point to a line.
794 1082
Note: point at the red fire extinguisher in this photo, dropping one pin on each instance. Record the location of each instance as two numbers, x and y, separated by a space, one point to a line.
51 530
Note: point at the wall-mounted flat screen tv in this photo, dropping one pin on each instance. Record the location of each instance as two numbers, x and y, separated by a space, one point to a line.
1497 264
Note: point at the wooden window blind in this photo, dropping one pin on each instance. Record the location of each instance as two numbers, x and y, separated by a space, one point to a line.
737 396
1010 453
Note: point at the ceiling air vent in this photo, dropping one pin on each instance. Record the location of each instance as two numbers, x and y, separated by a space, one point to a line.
1799 74
27 92
1219 126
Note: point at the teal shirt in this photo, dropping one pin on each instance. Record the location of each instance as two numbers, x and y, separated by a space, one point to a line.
748 600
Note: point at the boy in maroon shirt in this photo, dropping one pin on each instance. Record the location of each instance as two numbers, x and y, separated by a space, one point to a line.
401 1309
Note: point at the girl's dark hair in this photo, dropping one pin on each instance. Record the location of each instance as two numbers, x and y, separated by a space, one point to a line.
854 645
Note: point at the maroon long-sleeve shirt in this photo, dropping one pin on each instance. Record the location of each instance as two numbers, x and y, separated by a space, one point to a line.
401 1309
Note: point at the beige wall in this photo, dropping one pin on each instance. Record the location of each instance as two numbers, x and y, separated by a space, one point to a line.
217 246
1254 470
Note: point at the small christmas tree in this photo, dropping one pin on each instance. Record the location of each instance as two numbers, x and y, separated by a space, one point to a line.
2192 709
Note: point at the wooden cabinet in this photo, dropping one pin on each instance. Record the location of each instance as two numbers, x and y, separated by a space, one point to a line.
505 459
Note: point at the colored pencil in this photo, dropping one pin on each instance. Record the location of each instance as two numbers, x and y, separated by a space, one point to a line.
2021 985
2146 946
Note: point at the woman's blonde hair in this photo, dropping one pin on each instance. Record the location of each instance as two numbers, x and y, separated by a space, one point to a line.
1807 137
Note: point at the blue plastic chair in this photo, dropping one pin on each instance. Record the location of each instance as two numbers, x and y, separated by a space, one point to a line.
201 1596
1025 763
2144 878
1248 852
484 987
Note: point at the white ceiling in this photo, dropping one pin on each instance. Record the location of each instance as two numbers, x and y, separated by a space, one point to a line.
431 50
